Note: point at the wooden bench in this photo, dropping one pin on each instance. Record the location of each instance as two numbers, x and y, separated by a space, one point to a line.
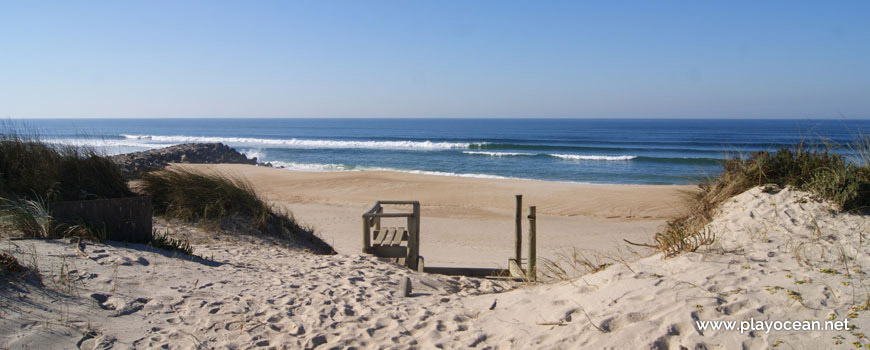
399 243
403 243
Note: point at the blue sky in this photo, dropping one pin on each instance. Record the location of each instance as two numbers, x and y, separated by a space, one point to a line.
685 59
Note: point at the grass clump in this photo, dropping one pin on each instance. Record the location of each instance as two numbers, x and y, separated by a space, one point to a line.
193 196
567 265
815 169
33 174
10 264
32 169
27 217
162 240
229 202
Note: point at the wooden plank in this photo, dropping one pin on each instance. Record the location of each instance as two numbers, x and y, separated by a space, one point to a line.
375 208
387 215
378 220
400 234
399 202
391 236
466 271
387 251
380 236
533 244
366 236
414 236
518 239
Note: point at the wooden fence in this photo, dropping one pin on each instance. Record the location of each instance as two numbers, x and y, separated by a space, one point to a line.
117 219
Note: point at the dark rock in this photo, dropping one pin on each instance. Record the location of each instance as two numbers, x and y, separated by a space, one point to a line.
135 164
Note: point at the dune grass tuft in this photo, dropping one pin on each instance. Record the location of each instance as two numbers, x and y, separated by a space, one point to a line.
230 202
163 240
27 217
194 196
816 169
32 169
34 173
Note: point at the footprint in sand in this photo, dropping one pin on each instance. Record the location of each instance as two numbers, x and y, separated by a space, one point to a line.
94 340
108 302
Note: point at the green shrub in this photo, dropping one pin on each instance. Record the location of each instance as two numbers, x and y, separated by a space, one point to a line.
813 169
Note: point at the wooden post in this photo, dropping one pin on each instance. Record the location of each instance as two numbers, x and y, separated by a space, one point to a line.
413 237
367 235
532 244
519 231
378 219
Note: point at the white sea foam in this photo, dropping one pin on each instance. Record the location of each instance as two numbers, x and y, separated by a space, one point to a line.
109 146
315 167
297 143
498 154
588 157
102 142
441 173
254 153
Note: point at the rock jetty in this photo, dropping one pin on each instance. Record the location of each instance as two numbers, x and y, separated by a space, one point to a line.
135 164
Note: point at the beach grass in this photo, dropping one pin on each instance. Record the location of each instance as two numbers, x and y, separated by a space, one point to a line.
35 170
34 173
194 196
815 168
165 241
27 217
225 201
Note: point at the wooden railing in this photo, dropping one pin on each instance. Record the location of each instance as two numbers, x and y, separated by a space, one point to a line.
372 219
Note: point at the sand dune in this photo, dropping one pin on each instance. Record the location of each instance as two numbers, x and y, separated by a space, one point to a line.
778 257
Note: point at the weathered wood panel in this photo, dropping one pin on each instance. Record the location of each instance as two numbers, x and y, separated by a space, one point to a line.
120 219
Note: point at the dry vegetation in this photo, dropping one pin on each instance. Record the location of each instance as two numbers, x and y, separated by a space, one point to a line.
33 174
226 202
32 169
816 169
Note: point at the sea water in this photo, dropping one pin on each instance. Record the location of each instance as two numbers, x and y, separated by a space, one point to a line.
618 151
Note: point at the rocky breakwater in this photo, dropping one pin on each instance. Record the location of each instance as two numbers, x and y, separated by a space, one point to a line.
135 164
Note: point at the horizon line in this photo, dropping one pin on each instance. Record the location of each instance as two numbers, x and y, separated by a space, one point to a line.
446 117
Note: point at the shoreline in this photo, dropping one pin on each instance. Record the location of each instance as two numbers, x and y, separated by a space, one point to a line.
469 221
447 174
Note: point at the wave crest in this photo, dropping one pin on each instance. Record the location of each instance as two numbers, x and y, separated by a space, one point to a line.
318 167
589 157
499 154
298 143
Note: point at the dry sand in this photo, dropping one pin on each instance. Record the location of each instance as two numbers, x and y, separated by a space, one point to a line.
468 221
777 257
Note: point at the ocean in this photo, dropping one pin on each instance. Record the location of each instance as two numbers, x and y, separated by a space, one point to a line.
613 151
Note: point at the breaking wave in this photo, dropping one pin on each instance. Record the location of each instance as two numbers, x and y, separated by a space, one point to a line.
299 143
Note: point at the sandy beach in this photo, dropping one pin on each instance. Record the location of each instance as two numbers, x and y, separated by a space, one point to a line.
434 175
468 221
778 257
